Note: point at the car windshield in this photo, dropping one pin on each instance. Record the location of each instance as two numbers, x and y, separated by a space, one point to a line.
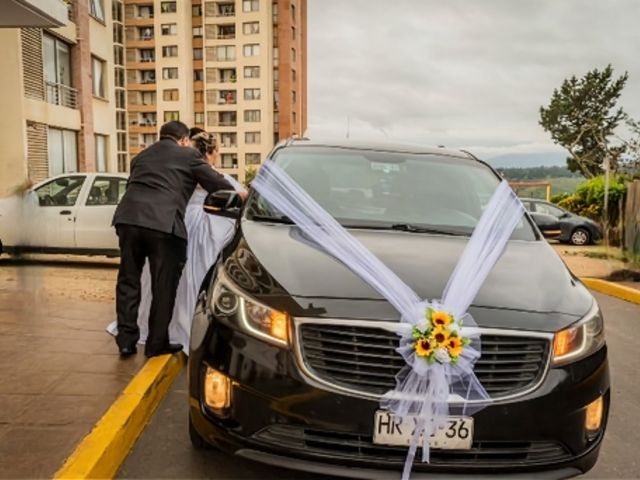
379 189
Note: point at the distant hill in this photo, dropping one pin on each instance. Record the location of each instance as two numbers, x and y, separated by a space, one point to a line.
527 160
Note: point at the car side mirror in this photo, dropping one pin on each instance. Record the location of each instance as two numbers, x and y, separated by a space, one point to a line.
224 203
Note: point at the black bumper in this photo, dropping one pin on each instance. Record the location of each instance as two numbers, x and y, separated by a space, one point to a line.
277 417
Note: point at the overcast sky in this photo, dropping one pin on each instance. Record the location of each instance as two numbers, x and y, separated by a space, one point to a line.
469 74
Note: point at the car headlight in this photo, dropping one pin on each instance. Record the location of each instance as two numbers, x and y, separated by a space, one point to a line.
254 317
579 340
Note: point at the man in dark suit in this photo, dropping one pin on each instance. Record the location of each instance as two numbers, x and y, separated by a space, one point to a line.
149 222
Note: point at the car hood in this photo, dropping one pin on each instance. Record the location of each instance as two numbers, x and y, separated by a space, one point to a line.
528 288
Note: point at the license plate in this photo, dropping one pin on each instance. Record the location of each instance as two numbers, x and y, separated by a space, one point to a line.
390 430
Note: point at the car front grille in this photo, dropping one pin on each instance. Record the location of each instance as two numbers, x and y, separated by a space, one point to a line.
364 358
353 446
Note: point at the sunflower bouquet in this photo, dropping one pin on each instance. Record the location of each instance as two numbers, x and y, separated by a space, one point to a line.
439 338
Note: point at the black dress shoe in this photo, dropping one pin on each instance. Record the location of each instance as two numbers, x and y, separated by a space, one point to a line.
128 351
171 348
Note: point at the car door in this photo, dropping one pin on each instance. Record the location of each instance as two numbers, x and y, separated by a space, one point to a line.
52 210
93 223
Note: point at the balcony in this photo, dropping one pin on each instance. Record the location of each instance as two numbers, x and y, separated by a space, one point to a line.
229 160
63 95
226 97
225 10
226 32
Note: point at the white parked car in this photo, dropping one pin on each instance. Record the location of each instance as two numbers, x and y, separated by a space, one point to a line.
68 213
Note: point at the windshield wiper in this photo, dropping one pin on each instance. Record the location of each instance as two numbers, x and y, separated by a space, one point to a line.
268 218
407 227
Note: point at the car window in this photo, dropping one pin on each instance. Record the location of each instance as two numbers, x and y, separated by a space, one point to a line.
366 188
548 209
61 192
528 205
106 191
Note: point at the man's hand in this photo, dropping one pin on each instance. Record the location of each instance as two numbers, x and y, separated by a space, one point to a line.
243 196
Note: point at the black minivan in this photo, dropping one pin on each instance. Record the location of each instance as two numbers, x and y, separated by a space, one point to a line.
291 352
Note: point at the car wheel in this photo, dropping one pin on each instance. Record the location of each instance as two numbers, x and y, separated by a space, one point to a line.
196 439
580 236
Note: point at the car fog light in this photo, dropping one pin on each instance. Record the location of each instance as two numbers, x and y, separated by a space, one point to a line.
593 415
217 390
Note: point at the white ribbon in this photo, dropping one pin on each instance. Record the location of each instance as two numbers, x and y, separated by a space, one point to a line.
423 388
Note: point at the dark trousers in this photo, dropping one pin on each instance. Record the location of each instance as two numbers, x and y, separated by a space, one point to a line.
167 255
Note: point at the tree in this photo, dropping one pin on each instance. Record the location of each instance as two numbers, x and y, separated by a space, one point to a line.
249 175
582 117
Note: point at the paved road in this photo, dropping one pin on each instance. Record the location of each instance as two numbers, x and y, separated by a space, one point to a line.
164 450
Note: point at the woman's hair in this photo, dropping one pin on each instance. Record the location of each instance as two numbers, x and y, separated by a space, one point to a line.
202 141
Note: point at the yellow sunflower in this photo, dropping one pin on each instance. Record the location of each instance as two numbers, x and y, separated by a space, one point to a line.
454 346
440 336
440 319
423 347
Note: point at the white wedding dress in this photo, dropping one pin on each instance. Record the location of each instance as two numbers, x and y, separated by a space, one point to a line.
208 234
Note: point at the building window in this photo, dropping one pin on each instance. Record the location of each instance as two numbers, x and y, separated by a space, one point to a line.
251 28
147 55
293 13
228 140
251 50
293 54
97 76
252 94
197 54
145 11
57 72
251 138
101 152
294 119
252 115
171 95
170 73
198 118
252 159
147 76
62 151
293 33
148 139
169 29
96 9
225 53
251 72
121 120
250 5
198 96
196 11
168 7
229 160
148 98
198 75
120 99
145 33
170 51
294 76
293 96
197 32
170 116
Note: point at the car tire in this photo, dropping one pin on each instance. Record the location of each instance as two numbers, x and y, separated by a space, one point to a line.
580 236
196 439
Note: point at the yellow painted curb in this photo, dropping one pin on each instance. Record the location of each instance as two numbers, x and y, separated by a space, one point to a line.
625 293
103 450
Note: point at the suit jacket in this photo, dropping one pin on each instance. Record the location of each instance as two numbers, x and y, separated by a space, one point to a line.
163 178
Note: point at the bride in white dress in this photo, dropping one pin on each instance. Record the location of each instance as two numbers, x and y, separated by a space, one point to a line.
208 234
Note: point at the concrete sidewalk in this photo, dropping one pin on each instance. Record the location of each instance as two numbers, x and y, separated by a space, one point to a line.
60 370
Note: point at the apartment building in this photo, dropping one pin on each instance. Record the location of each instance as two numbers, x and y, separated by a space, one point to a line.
236 68
58 96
